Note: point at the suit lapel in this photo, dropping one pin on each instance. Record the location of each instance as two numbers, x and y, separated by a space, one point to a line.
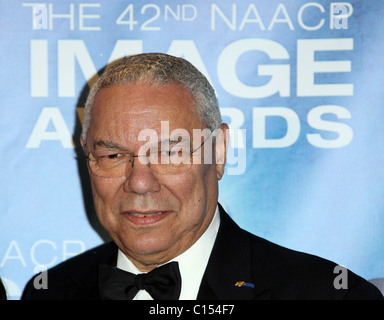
86 287
230 262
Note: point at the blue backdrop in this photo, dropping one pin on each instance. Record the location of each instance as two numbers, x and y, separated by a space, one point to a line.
299 82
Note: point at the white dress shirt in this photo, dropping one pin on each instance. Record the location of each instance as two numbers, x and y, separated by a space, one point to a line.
192 263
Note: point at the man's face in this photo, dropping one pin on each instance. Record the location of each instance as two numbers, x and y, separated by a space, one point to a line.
151 217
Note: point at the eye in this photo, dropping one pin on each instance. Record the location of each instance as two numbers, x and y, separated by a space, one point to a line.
114 156
175 153
166 153
171 153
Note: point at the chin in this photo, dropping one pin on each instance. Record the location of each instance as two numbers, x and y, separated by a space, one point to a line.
146 246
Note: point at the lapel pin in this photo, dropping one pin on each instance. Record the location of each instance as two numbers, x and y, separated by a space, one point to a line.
244 284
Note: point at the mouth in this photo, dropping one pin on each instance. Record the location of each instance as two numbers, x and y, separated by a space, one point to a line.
146 217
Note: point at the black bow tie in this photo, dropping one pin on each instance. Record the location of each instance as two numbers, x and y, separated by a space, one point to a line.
162 283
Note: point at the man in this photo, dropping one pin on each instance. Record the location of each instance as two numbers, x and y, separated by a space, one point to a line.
156 148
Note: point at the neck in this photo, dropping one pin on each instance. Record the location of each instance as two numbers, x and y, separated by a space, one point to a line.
148 262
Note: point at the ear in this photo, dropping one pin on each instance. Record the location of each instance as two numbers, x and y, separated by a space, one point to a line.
221 145
82 142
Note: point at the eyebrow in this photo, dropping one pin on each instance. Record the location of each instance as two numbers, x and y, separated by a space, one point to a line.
114 145
107 144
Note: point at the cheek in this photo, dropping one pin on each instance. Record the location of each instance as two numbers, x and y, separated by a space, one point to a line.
191 190
104 194
188 188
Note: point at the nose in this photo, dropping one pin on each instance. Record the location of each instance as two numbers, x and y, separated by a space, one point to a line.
140 178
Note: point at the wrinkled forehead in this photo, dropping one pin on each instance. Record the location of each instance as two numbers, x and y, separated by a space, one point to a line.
125 113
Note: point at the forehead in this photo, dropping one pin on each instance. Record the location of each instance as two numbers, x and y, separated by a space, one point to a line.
122 111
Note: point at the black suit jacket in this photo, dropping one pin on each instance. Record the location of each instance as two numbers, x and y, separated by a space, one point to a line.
275 272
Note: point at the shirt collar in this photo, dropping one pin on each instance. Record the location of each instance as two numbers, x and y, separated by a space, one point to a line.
192 263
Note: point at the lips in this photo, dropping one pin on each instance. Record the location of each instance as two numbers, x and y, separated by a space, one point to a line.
137 214
145 217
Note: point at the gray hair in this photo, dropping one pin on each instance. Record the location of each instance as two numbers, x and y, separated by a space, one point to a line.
159 69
